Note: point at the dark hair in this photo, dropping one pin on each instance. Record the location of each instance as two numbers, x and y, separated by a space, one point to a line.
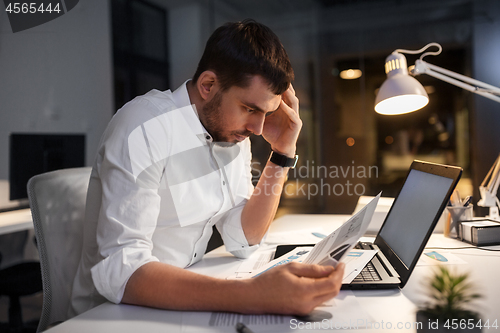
237 51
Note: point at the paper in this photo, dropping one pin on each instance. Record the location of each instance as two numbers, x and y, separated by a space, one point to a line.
256 261
355 261
333 248
297 255
432 258
303 236
201 322
467 228
345 309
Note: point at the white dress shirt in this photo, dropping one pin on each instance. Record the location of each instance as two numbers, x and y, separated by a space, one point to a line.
158 185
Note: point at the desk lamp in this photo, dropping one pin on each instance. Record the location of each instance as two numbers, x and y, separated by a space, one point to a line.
402 93
488 190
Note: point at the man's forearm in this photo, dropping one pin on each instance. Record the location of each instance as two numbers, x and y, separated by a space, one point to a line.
164 286
288 289
259 211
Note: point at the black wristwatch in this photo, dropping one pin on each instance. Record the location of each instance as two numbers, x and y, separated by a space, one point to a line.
284 161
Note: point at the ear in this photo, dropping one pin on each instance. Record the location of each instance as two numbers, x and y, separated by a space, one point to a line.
207 84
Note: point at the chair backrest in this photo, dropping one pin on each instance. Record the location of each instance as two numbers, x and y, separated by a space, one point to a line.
57 201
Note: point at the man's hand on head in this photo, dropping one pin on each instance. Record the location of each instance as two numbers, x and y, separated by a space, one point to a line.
295 288
282 128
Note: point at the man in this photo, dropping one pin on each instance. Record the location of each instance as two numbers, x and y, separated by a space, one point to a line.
173 164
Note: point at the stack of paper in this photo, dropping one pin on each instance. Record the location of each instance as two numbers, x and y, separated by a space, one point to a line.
481 232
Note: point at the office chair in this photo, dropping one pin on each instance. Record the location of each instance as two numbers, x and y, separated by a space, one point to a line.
57 200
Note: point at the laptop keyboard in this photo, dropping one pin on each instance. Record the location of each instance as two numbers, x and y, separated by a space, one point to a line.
367 274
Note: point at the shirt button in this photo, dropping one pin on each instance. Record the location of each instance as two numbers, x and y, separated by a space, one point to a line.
208 137
195 255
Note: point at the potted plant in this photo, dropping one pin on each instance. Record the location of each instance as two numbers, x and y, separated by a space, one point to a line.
448 310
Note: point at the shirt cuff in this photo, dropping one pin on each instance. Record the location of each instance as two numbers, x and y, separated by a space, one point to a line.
110 276
233 235
244 252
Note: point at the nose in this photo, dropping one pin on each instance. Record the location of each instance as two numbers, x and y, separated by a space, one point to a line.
256 124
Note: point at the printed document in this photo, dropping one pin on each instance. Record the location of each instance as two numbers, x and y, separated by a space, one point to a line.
333 248
345 310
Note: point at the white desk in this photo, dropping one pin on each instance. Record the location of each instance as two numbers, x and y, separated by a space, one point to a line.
392 306
16 220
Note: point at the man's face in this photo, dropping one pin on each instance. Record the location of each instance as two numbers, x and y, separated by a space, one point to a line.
235 114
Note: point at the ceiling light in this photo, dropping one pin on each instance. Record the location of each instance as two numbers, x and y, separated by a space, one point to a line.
351 74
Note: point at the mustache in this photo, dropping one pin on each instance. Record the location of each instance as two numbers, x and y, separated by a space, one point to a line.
244 133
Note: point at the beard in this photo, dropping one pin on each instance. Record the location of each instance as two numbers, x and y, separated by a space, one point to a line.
214 121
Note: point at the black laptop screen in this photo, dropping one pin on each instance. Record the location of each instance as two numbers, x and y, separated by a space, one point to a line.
417 205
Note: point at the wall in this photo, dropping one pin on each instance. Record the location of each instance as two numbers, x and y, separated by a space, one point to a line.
485 121
57 77
185 42
187 31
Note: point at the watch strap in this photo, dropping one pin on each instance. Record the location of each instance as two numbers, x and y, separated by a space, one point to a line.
284 161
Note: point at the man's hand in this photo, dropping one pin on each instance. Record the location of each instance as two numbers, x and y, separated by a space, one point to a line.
282 128
295 288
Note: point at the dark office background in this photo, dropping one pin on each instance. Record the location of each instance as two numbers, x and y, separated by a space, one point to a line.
71 74
340 128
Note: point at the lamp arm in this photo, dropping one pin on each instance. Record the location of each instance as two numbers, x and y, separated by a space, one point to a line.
489 187
486 180
495 178
494 90
486 90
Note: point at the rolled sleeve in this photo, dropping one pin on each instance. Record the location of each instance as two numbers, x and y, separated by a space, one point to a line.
232 233
111 275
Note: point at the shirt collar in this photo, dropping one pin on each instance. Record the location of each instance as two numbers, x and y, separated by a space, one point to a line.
181 99
180 96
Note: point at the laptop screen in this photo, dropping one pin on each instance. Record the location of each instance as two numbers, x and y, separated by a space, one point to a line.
413 212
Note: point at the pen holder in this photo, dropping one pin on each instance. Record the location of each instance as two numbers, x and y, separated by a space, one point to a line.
456 216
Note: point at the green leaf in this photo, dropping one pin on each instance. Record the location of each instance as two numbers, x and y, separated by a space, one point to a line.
449 293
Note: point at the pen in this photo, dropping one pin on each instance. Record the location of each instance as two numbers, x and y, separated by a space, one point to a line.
241 328
468 200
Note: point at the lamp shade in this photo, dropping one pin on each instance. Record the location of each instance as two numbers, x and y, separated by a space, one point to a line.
400 93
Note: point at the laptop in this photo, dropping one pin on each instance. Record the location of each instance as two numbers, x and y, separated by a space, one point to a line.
407 226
